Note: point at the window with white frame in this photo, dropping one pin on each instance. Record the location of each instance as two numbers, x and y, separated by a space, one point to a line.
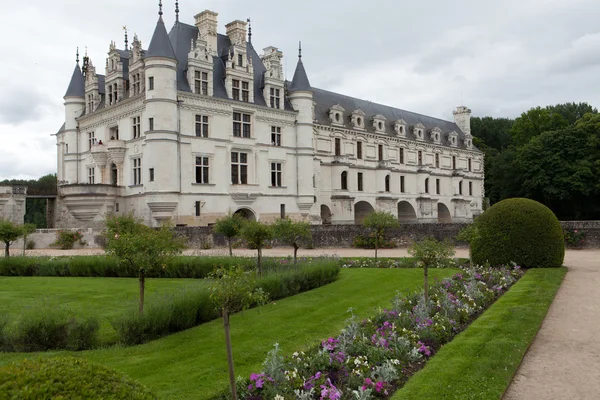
91 140
359 181
115 93
202 170
90 102
402 189
201 82
202 126
240 90
151 83
110 96
91 175
359 154
239 168
114 133
242 124
137 84
276 135
150 124
402 155
137 171
137 128
275 98
276 174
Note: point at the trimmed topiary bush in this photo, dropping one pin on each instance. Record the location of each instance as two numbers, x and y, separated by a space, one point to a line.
68 378
519 230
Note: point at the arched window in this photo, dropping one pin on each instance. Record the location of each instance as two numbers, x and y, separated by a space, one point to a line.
344 180
387 183
426 185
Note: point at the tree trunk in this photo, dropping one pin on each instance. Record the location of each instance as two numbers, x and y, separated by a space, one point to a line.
230 250
259 263
426 275
295 254
229 355
142 287
6 250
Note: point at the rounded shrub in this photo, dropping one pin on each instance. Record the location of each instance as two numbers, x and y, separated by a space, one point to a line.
68 378
519 230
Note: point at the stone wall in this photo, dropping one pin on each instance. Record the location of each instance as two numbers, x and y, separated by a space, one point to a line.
12 203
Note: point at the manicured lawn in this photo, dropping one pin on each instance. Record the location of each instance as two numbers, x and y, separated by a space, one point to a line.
193 365
102 297
481 362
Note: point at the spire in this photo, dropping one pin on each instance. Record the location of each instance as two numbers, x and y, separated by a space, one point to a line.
249 31
160 8
160 45
176 10
77 59
76 86
126 39
300 80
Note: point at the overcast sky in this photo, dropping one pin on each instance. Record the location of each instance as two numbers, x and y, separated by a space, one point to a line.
498 57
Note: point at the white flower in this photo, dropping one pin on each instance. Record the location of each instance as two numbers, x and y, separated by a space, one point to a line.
295 354
278 397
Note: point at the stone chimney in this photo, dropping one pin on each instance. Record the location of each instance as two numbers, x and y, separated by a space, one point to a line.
237 31
462 118
206 22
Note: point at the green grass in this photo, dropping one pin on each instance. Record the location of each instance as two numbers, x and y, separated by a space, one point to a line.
481 362
103 297
193 364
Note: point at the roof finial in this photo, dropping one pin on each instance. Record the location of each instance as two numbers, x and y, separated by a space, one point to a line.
300 49
77 59
126 39
249 30
177 11
160 8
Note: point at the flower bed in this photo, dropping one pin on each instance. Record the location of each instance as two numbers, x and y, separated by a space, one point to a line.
374 357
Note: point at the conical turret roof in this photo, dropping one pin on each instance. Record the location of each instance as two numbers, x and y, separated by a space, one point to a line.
76 86
160 45
300 80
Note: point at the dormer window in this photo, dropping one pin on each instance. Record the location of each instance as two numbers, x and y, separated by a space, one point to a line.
137 83
379 123
201 83
468 141
336 114
453 139
241 87
418 131
400 127
358 119
436 134
275 98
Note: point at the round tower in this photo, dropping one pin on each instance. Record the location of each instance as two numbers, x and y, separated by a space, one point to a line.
66 139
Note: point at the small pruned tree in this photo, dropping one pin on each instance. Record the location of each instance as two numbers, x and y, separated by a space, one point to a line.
28 229
293 233
9 233
257 235
430 253
234 290
230 227
378 222
141 247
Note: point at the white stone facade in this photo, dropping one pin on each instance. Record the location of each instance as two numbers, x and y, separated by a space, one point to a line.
170 147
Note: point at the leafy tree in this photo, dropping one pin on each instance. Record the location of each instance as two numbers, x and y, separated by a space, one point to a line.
9 233
28 229
230 227
140 246
430 253
257 235
234 290
293 233
494 132
378 222
572 112
535 122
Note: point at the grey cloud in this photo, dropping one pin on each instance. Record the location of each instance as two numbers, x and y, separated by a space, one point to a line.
19 106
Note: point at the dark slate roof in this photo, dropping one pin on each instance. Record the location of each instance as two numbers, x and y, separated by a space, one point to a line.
325 100
101 83
160 45
124 56
300 80
76 86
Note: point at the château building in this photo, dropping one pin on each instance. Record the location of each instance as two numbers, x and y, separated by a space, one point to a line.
200 124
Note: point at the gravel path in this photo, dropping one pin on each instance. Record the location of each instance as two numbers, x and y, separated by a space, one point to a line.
563 361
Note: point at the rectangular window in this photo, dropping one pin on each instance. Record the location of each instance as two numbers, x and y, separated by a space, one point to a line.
427 185
402 184
91 140
453 162
276 135
470 165
137 171
402 155
275 97
202 126
90 103
460 187
241 125
136 84
150 124
359 150
276 174
151 83
137 131
197 207
202 170
282 211
91 177
387 183
437 186
235 92
66 148
115 92
359 179
420 156
117 207
110 98
240 60
338 146
201 82
380 152
151 175
437 160
245 91
239 168
470 188
344 180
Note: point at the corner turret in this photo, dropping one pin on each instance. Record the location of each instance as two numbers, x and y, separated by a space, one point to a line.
300 81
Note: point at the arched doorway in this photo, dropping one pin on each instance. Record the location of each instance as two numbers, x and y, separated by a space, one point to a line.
406 213
246 214
361 210
443 213
325 215
114 173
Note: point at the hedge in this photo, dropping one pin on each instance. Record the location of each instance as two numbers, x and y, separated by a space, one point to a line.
518 230
68 378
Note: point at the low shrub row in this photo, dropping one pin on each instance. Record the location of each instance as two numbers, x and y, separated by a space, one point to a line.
372 358
187 309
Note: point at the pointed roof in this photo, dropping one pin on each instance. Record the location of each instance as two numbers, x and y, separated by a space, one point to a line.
76 86
160 45
300 81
